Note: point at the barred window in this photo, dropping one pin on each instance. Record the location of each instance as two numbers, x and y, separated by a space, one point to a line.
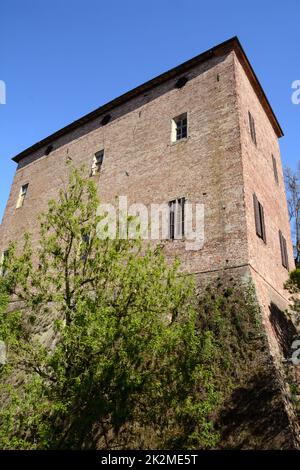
176 218
179 127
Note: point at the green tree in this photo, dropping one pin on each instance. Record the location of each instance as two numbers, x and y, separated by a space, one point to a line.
293 286
292 377
292 184
105 348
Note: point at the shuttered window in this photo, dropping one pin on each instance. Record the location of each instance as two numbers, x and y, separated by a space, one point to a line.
180 217
283 249
259 219
22 195
176 218
172 205
275 169
252 128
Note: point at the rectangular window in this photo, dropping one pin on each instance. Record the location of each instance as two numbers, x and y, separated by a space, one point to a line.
97 162
283 249
172 205
259 219
176 218
4 257
179 127
252 128
275 169
22 195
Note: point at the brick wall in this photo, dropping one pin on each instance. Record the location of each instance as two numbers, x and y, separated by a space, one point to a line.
217 165
142 163
265 258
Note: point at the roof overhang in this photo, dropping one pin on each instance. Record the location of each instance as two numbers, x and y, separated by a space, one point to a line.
219 50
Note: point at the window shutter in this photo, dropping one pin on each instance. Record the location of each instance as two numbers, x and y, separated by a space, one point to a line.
179 218
286 265
250 124
252 128
257 216
254 131
172 219
259 219
283 249
182 216
275 169
262 222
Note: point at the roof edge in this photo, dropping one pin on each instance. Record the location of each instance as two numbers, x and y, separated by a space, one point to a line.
258 88
230 44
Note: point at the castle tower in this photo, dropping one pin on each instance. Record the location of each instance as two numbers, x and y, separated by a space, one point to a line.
203 132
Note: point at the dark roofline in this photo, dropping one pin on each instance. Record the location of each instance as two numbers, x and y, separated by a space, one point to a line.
226 46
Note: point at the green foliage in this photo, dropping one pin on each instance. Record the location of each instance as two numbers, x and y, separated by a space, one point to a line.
293 286
293 283
230 315
112 349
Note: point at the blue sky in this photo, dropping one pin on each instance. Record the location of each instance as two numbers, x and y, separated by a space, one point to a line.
63 58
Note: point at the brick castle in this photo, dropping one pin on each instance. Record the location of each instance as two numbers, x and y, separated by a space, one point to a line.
201 132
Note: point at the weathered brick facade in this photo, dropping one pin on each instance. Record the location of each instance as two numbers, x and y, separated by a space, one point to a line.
217 164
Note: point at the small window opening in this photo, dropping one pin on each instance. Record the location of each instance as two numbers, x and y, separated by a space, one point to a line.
22 195
179 127
97 162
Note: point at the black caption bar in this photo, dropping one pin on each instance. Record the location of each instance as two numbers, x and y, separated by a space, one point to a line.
148 459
